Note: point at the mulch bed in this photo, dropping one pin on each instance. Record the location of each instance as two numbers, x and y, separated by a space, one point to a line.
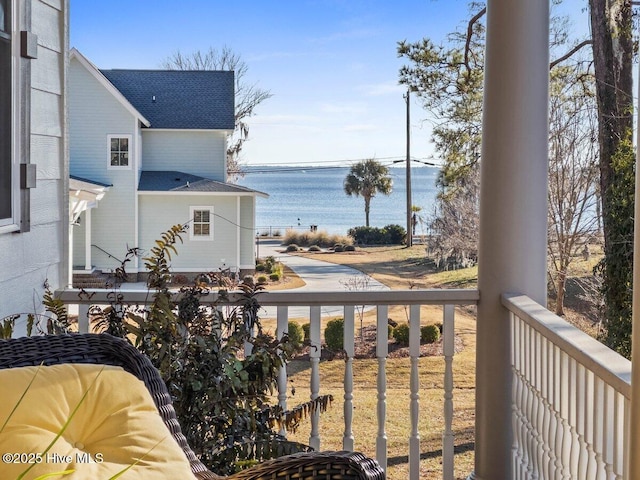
365 347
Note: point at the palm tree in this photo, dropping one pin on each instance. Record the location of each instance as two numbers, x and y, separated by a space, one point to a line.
365 179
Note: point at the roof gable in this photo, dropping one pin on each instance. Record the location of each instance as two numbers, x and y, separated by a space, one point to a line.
179 99
93 70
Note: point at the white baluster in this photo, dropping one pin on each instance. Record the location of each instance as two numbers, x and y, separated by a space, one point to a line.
282 327
530 448
627 432
349 336
619 436
516 325
609 429
83 318
547 351
564 394
559 432
581 425
314 359
414 395
574 399
382 349
589 427
534 414
449 350
599 431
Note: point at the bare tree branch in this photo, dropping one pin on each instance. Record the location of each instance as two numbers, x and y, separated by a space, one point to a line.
570 53
467 48
247 96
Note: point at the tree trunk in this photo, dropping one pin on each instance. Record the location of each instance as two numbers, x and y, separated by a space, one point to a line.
612 56
561 281
367 204
611 27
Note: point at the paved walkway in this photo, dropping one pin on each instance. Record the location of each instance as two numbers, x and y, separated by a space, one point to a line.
319 276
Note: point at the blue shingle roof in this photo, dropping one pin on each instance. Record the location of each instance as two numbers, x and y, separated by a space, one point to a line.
177 98
172 181
93 182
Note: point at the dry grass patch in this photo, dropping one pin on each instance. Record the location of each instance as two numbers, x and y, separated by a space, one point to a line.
290 280
397 426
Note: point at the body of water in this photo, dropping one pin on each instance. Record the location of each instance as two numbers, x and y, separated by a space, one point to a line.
299 198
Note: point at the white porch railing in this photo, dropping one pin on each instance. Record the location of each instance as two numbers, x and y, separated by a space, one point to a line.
570 399
381 300
570 393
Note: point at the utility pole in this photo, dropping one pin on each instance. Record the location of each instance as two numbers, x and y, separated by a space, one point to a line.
408 173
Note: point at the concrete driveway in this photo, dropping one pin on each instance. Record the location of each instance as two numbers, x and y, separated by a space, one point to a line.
319 276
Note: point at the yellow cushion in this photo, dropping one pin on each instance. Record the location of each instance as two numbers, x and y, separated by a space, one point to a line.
115 425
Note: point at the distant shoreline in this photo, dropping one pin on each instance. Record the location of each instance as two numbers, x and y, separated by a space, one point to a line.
301 197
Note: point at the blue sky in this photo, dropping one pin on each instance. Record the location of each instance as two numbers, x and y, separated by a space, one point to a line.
331 65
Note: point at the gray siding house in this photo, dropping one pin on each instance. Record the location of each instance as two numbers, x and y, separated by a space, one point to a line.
148 151
34 221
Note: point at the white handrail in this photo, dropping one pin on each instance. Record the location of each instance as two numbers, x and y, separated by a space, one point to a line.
571 398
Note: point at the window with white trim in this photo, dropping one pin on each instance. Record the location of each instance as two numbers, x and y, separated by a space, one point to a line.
119 151
17 173
201 223
8 96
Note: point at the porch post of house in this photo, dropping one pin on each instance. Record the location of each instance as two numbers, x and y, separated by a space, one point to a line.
70 259
513 209
88 262
633 440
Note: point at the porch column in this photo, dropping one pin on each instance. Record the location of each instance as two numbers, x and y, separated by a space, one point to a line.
513 209
88 263
633 440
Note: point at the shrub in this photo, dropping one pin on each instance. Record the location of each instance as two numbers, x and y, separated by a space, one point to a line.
401 334
269 262
334 334
262 279
338 248
292 248
306 328
429 333
314 248
296 334
260 267
395 234
389 235
349 248
274 277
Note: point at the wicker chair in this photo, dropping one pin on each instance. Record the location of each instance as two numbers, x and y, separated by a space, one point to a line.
109 350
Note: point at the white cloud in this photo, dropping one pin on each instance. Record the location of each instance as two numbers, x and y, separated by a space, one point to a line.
380 89
343 108
363 127
283 119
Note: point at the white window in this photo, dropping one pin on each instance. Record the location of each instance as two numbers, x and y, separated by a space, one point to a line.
9 113
118 151
201 223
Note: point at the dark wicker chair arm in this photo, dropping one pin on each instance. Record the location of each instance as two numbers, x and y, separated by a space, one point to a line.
316 465
105 349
